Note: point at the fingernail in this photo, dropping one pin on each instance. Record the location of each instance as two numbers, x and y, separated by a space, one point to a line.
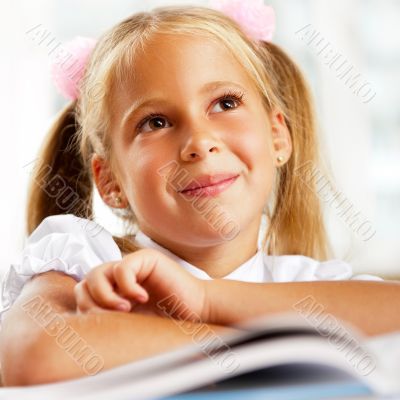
123 307
142 293
142 297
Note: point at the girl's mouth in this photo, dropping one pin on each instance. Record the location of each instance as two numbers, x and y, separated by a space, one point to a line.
210 190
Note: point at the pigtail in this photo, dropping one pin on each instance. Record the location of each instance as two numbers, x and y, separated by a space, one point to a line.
126 244
296 223
59 182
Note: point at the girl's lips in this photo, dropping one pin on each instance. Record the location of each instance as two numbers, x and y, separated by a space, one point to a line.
212 190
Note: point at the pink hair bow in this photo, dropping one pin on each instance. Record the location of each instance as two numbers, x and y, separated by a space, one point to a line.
68 68
255 18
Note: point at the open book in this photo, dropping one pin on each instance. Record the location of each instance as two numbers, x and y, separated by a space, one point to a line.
278 357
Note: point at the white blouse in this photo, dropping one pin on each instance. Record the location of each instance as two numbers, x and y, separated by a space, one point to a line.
74 245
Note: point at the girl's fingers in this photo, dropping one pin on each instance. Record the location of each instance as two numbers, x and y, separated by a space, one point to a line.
84 303
100 286
125 279
134 269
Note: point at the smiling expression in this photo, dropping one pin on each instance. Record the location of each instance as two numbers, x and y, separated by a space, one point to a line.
190 104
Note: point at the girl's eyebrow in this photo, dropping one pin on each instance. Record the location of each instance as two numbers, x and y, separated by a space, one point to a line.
142 101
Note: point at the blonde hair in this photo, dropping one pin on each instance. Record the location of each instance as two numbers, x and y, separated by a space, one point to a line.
295 222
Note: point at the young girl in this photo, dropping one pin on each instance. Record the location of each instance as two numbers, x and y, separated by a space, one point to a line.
234 128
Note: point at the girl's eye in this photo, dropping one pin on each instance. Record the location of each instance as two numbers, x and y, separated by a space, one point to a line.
158 122
230 99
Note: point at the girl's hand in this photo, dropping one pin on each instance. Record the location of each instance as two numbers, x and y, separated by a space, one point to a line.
145 281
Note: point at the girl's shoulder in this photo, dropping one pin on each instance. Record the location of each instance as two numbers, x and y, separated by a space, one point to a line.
64 243
288 268
58 233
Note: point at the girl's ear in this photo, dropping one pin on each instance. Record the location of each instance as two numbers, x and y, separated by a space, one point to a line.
106 184
281 140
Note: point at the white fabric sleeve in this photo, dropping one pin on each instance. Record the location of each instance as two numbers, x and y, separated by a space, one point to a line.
61 243
301 268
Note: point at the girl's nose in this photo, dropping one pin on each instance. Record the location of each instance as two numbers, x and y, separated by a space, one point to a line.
198 146
198 154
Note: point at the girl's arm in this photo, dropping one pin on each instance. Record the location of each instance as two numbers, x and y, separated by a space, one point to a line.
33 350
373 307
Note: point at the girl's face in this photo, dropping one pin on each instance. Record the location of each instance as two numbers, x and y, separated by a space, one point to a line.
188 110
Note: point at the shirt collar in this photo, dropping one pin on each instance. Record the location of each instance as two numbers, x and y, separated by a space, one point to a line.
251 270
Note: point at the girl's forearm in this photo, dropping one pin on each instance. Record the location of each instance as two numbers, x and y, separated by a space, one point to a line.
115 338
373 307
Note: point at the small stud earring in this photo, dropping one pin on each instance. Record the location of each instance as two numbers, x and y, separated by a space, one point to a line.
280 158
117 199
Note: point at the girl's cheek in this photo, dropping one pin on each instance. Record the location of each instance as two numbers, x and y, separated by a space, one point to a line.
253 149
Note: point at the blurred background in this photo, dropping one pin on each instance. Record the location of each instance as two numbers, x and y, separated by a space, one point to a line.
359 119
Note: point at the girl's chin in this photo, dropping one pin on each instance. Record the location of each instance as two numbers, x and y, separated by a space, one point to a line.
214 225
